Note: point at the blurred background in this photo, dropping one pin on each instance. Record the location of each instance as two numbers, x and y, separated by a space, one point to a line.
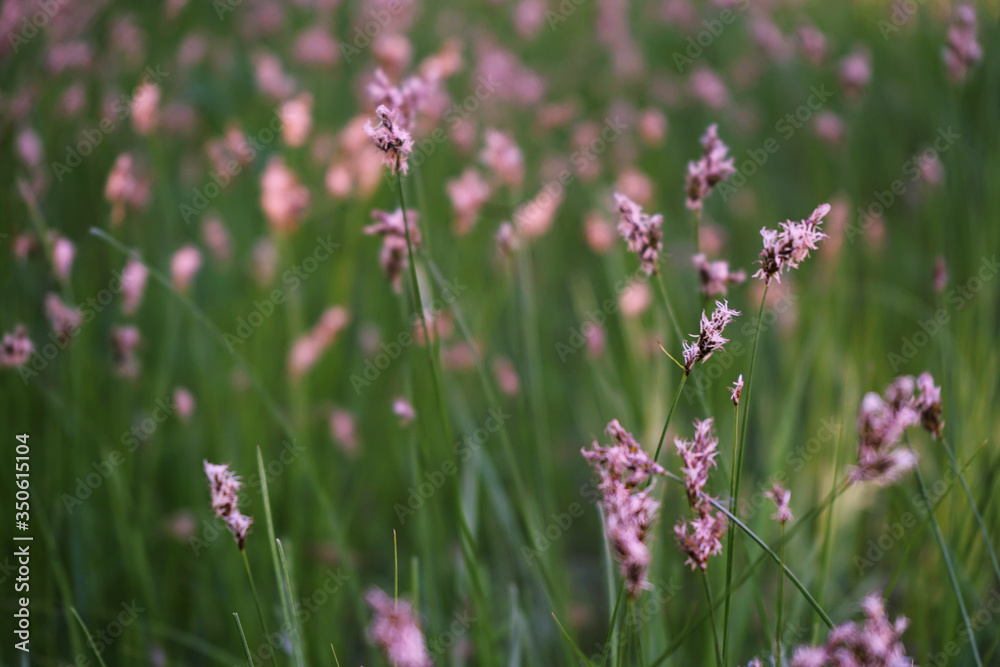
223 144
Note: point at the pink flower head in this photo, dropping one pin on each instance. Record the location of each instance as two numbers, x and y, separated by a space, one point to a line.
928 403
467 193
224 487
701 537
404 410
737 390
962 49
394 257
133 285
65 320
307 349
63 252
184 265
710 336
15 348
629 513
502 156
782 497
395 629
786 248
856 71
124 341
283 198
642 232
296 119
876 642
698 456
127 187
389 137
145 108
880 427
714 167
404 99
715 276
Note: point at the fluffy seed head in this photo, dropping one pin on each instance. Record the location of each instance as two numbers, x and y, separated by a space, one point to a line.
642 232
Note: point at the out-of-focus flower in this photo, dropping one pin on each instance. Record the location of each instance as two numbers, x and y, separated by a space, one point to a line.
224 487
184 265
940 274
296 119
653 126
265 262
468 193
271 78
535 217
635 298
877 642
404 410
709 339
714 167
216 237
127 188
146 108
395 629
708 88
785 248
392 227
124 341
629 512
813 44
962 49
506 238
63 252
16 348
506 376
283 198
307 350
183 403
344 430
133 285
600 234
314 47
880 427
856 72
65 320
829 127
782 497
715 276
642 232
502 157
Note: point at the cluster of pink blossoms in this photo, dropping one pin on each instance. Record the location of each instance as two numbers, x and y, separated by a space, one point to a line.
224 487
392 227
785 248
396 630
699 538
629 513
641 231
714 167
710 336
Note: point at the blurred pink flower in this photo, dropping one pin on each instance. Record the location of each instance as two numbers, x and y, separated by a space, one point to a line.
184 265
296 119
283 198
16 348
395 629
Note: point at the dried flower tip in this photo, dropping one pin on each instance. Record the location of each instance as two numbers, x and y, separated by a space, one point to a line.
642 232
713 168
737 390
715 276
781 497
396 630
389 137
710 337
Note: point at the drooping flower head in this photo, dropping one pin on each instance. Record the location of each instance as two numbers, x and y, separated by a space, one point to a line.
641 231
629 513
785 248
394 257
714 167
224 487
876 642
395 629
710 337
715 276
389 137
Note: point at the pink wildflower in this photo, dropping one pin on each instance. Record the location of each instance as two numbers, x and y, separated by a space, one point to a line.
715 276
710 335
396 630
786 248
714 167
224 487
394 256
389 137
642 232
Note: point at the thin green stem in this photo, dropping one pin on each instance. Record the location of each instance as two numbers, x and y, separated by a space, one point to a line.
669 307
90 639
972 504
243 639
636 637
781 591
611 625
663 433
947 562
256 598
737 474
697 235
711 614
